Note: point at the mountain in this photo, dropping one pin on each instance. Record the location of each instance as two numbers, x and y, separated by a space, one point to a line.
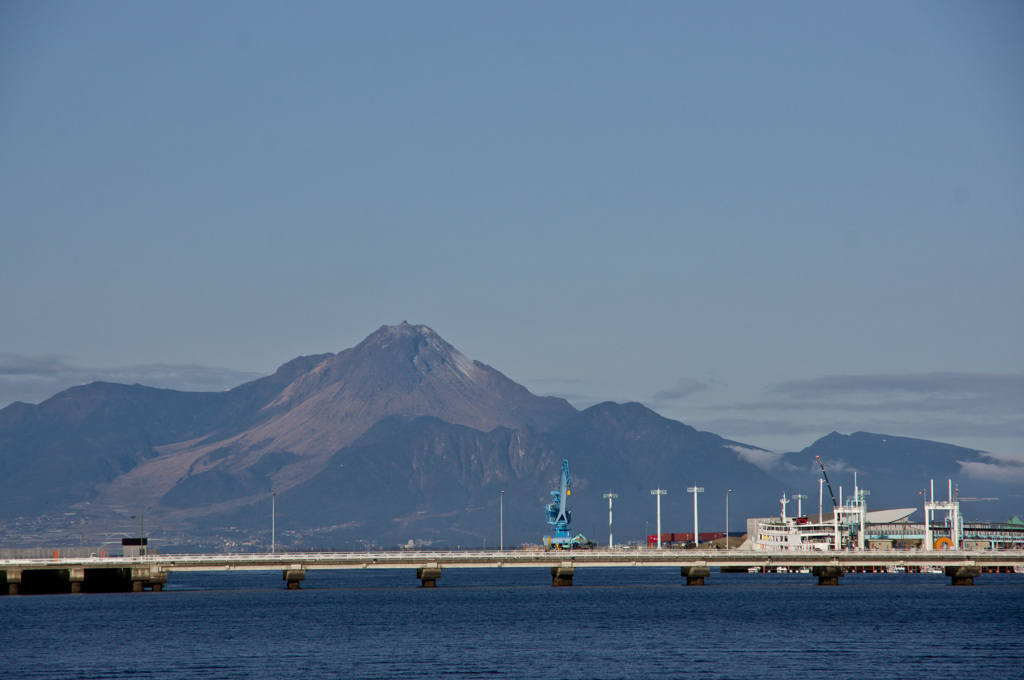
427 479
59 452
400 438
119 446
895 469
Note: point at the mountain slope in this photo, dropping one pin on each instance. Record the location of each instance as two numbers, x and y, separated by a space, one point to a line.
426 479
403 370
59 452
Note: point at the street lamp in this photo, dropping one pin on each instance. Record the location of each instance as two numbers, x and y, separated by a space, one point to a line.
501 521
610 496
729 491
659 493
696 535
273 523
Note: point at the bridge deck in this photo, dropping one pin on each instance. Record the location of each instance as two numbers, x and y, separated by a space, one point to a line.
525 558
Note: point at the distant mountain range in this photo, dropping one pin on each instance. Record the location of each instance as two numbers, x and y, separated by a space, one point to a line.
404 438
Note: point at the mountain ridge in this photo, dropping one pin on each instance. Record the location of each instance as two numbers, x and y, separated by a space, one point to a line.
399 437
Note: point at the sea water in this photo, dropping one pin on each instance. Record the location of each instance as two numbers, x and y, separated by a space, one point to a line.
511 623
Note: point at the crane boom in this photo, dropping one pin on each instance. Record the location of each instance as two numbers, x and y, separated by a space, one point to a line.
825 475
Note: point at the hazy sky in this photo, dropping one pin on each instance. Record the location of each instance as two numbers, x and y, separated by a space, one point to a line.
767 220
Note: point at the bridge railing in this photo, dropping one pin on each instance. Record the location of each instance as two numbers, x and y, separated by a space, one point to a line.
411 558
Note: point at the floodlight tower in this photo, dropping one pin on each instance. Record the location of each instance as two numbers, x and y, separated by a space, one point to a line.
695 490
610 496
659 493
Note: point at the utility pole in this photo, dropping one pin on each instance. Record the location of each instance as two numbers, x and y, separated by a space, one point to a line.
659 493
610 496
695 490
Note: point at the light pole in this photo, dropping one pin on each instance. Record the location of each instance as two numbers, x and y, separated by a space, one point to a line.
659 493
273 523
799 504
729 491
142 534
610 496
696 535
501 521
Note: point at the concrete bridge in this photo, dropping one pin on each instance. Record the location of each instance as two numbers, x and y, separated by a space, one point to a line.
150 572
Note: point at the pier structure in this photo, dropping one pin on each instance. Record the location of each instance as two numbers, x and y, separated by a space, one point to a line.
151 572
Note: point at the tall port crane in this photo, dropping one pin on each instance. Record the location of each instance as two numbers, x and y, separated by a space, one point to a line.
825 475
559 516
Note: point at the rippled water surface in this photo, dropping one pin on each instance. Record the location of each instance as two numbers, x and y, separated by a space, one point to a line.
487 623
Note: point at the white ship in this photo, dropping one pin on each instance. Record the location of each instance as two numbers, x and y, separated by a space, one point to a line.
798 533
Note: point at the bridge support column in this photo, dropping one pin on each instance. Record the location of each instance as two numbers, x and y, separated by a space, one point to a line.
12 579
139 576
695 575
562 576
294 577
76 577
428 576
963 576
156 581
828 575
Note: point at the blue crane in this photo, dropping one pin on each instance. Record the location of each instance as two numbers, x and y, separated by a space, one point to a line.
558 515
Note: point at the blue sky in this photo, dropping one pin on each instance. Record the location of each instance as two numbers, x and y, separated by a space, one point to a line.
767 220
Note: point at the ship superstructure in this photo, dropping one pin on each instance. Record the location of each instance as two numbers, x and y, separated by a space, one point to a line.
798 533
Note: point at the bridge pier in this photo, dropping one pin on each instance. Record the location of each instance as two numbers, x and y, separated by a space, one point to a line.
963 576
156 581
695 575
146 577
12 581
428 576
827 575
562 575
294 576
76 577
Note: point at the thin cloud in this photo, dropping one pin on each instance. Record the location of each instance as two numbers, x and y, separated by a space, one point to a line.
938 429
927 405
960 392
753 426
31 366
684 387
766 460
994 470
36 378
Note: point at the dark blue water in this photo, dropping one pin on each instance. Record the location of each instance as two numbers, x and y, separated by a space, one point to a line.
510 623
